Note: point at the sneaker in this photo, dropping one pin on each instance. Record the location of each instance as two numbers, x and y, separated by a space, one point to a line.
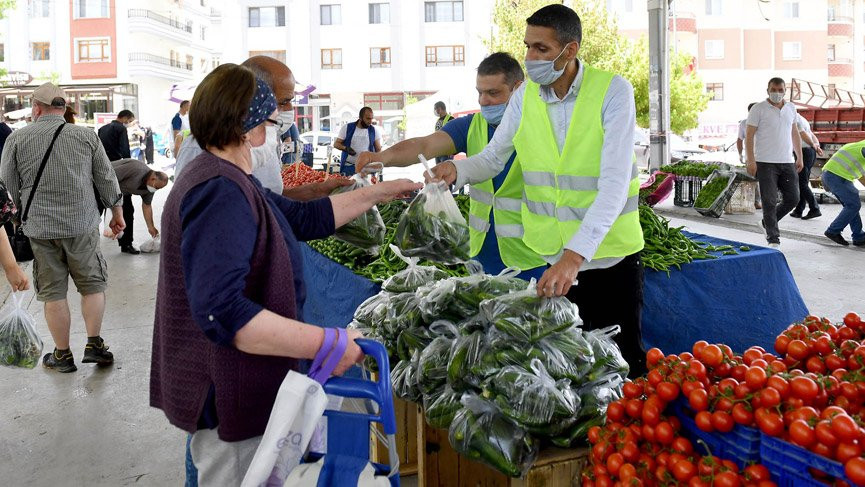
837 238
62 362
796 214
97 353
859 243
128 249
812 214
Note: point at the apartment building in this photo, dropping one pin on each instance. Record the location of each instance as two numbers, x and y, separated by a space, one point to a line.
109 55
374 53
739 44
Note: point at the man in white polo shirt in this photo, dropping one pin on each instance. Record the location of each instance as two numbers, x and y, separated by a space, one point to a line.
771 139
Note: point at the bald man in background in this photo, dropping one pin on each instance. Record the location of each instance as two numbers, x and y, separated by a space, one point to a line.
267 163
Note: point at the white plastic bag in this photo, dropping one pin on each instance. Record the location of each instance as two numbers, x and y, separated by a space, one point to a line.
299 404
151 246
106 226
307 476
433 228
20 345
367 231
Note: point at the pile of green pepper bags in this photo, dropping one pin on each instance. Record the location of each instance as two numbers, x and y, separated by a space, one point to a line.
504 370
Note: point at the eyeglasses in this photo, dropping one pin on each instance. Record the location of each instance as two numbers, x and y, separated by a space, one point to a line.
277 123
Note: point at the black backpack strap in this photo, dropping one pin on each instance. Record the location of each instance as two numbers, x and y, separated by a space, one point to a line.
39 174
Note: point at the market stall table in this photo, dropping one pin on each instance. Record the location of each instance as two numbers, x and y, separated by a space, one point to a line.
741 300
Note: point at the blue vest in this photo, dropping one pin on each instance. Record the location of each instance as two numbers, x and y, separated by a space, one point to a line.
348 169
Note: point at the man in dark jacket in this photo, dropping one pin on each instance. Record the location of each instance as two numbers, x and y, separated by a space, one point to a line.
114 138
136 178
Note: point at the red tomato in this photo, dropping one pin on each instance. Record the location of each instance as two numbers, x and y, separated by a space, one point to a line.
846 451
738 372
722 422
690 386
696 369
855 469
751 354
683 445
824 433
614 463
699 400
726 479
698 346
655 377
756 378
664 433
798 350
653 356
615 411
802 434
770 397
634 408
804 388
704 421
779 384
852 320
771 424
630 451
742 415
632 390
651 415
756 473
711 355
668 391
845 428
683 470
824 345
815 364
628 473
834 362
781 344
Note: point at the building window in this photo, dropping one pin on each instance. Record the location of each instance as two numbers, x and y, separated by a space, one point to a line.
90 9
716 90
189 62
93 50
278 55
830 54
792 51
41 51
443 11
379 57
331 59
626 6
40 8
331 15
445 56
2 52
384 101
379 13
791 10
714 7
203 32
267 16
714 49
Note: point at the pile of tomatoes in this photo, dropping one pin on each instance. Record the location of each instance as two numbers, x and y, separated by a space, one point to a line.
810 394
641 446
298 174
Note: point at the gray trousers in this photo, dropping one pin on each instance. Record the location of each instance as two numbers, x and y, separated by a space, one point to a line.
221 463
774 177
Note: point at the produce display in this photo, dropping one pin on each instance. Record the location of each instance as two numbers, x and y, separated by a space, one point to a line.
366 231
377 268
298 174
809 396
693 169
710 192
668 247
501 368
649 194
434 228
20 345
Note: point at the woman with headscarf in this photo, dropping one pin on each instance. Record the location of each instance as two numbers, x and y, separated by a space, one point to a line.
229 305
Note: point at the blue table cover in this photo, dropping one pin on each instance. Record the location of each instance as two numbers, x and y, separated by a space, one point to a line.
741 300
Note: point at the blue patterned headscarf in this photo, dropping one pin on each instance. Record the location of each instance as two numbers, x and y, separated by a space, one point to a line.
262 105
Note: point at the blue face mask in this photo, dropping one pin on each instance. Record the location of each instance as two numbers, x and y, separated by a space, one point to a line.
543 72
493 113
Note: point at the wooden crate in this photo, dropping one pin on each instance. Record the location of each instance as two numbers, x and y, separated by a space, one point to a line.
440 465
406 438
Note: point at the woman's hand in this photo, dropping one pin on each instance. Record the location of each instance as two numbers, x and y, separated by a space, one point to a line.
352 356
388 190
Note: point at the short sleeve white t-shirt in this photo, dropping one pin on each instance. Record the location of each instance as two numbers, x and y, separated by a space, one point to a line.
773 142
742 125
359 141
804 126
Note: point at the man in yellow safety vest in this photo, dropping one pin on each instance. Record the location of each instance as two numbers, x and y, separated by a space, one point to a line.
844 167
573 127
496 233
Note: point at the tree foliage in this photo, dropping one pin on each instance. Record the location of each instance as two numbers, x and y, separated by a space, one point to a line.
604 48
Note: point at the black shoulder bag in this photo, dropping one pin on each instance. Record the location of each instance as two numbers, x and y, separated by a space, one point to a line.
21 243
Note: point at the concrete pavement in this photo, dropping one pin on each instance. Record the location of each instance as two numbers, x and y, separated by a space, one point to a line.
95 427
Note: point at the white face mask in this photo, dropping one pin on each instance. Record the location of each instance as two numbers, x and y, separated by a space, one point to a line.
287 119
268 152
544 72
151 188
776 97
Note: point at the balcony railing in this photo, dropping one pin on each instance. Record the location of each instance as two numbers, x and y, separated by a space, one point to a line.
149 14
841 60
152 58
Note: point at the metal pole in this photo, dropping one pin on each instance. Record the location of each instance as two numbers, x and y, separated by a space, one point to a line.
659 84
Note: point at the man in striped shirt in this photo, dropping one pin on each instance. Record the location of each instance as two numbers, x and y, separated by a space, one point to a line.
63 219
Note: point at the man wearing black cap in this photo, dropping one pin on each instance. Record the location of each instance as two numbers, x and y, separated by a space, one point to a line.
62 220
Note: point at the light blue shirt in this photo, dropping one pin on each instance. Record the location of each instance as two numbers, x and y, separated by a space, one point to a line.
618 117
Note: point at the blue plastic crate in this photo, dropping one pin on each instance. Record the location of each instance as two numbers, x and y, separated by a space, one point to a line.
741 445
789 464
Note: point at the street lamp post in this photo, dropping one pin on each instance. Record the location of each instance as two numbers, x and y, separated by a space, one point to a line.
659 84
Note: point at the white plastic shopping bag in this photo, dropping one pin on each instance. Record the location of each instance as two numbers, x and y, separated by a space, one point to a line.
307 476
151 246
106 226
299 405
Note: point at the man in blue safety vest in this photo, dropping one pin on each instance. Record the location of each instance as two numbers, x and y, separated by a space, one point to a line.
357 137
